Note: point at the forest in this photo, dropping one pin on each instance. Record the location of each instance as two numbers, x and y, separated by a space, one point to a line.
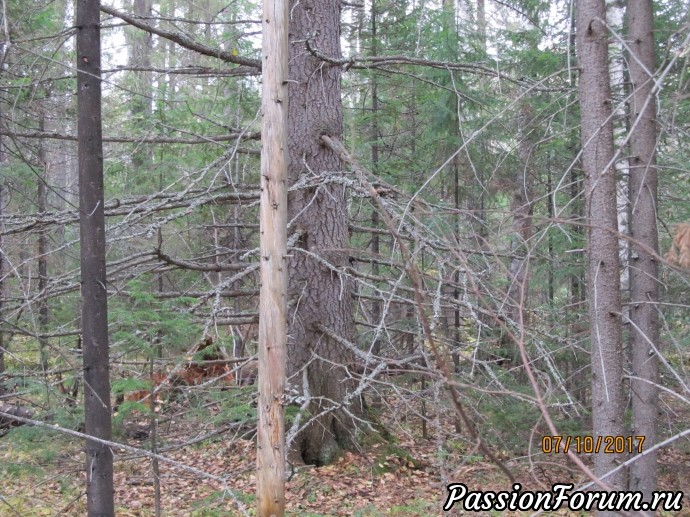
344 257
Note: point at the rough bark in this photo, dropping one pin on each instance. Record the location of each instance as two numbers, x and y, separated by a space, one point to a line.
644 272
273 244
97 411
608 401
317 295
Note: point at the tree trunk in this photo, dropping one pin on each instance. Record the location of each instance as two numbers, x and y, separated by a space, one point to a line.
272 320
97 412
3 161
376 307
140 56
481 23
608 401
453 320
615 14
643 273
521 208
42 251
317 294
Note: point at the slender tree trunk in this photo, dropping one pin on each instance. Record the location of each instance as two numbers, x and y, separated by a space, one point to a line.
579 378
97 411
376 308
552 257
42 250
319 296
457 228
140 56
481 23
168 49
578 327
273 244
3 161
644 270
521 209
608 400
450 27
3 260
153 436
615 14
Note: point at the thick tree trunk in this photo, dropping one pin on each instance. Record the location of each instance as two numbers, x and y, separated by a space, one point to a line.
272 319
643 273
97 412
317 294
608 401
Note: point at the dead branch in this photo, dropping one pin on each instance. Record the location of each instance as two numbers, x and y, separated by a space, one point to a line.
6 422
136 205
213 139
200 71
198 266
420 298
182 40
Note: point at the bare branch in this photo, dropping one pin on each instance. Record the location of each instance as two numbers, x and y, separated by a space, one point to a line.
198 266
183 40
231 137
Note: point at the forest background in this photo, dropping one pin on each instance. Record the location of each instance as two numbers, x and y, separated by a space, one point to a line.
452 290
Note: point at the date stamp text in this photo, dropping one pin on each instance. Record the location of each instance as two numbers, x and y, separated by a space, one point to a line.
607 444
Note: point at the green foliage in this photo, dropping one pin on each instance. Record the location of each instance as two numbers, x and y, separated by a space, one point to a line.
236 406
17 470
128 409
38 445
511 424
291 413
129 384
141 322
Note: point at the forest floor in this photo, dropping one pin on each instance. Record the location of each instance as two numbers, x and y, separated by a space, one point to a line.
42 474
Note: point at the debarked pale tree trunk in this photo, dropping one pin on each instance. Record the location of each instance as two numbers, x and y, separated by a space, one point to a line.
270 455
608 401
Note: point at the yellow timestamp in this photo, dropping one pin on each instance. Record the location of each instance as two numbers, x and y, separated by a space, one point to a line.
607 444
